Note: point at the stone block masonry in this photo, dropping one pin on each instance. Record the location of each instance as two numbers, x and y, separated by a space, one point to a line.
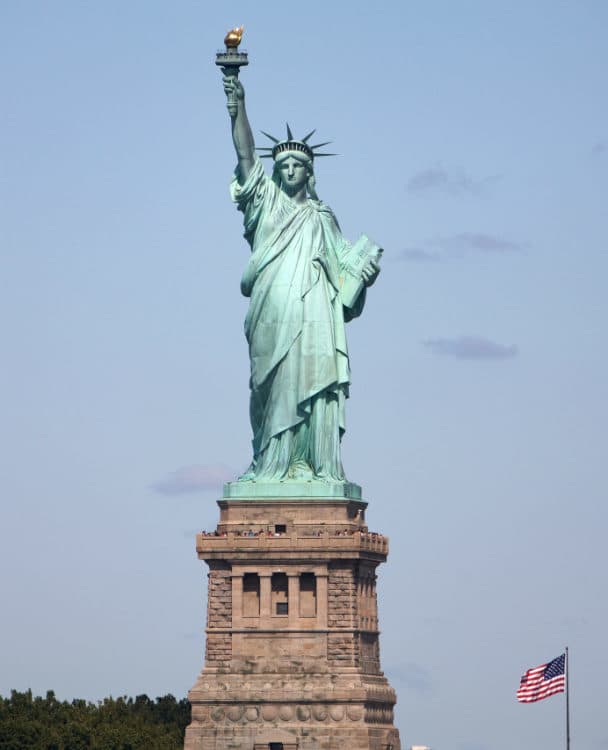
292 650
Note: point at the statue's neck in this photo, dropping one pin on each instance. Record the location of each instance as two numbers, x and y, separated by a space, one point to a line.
297 196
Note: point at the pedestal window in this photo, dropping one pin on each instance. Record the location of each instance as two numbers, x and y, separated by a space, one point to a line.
279 594
308 595
251 595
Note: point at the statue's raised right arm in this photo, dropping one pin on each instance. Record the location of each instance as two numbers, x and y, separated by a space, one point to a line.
241 130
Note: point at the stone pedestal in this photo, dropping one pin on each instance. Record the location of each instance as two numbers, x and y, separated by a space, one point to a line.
292 655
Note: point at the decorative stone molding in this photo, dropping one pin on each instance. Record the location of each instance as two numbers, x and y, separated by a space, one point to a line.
303 713
235 712
354 713
286 713
379 714
270 713
217 713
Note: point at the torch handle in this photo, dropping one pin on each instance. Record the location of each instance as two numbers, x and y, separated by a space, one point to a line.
232 102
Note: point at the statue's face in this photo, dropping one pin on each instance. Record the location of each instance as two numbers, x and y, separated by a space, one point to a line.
293 174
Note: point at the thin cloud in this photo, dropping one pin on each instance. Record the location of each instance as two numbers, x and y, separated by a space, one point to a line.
418 255
458 245
413 676
196 478
438 179
598 149
476 242
471 347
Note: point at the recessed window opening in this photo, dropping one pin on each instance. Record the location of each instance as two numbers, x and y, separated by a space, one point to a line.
280 528
279 594
251 595
308 595
277 746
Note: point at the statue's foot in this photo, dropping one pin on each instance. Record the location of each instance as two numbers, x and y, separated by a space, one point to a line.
249 475
301 471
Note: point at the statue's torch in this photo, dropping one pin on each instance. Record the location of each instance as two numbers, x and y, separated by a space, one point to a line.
231 61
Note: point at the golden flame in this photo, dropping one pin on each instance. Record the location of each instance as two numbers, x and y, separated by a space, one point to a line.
234 36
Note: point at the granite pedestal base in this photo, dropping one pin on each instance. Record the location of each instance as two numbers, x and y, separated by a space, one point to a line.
292 653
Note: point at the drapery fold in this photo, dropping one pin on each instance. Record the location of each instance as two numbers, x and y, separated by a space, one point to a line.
295 330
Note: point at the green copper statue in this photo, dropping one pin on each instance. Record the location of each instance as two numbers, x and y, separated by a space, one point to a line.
304 282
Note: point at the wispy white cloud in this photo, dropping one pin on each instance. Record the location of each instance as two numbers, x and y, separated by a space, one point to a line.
471 347
456 182
196 478
459 245
476 242
419 255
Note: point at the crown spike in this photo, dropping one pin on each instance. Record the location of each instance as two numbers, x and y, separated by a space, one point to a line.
272 138
291 144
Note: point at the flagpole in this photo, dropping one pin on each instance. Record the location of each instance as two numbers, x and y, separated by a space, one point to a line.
567 670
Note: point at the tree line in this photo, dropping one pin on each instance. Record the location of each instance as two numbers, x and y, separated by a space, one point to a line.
36 723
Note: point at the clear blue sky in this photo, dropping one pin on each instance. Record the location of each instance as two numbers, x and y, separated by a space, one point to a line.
473 142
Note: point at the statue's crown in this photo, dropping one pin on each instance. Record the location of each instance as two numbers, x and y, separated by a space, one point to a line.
292 144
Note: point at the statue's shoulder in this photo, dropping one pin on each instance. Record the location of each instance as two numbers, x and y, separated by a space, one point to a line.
254 187
320 206
324 210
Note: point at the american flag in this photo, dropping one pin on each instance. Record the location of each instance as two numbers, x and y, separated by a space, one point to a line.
541 682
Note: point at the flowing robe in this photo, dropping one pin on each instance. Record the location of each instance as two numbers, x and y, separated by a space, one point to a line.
295 327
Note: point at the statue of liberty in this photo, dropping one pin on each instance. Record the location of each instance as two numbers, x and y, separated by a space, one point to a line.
304 282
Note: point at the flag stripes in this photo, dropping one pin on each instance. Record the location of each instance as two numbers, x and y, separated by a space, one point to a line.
541 682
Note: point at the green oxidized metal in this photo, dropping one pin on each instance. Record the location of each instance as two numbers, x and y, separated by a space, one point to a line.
305 281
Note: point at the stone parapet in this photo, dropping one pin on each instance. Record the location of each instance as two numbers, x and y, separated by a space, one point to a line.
349 512
264 541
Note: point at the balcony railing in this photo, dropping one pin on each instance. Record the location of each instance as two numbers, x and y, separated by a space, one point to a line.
372 542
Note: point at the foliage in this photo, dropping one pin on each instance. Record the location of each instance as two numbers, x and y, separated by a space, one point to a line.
35 723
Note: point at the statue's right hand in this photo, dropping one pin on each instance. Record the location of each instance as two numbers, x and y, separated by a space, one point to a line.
233 87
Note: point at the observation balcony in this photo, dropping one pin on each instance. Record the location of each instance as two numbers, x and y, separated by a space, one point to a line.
264 542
